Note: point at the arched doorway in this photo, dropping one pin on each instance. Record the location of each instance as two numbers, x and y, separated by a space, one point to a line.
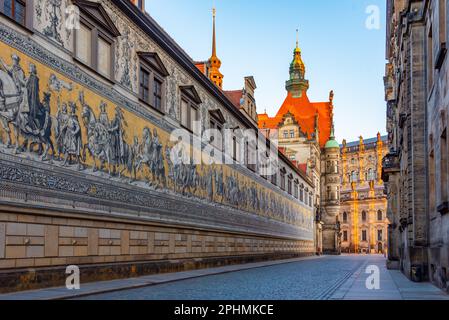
380 248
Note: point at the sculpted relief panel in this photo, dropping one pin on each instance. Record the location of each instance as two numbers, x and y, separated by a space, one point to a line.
46 117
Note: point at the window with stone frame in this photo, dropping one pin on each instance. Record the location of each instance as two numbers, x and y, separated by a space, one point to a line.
283 179
380 235
345 236
296 189
301 193
94 40
345 217
430 59
152 75
189 113
443 167
15 9
290 185
432 181
19 11
364 216
292 134
364 236
274 179
442 27
380 215
216 123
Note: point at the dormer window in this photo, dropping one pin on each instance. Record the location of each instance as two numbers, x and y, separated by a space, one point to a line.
152 76
94 40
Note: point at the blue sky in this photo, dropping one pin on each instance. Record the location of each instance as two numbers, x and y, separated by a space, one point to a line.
257 37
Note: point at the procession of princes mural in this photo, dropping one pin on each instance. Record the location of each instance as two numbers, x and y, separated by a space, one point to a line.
83 137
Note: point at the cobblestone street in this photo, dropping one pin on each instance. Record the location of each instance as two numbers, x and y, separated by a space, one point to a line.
333 277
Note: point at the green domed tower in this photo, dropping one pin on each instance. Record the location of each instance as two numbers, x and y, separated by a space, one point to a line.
297 84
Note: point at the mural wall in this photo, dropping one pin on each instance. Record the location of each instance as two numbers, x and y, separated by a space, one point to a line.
47 117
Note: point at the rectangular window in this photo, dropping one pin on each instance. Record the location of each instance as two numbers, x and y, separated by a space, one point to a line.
218 129
274 179
16 10
292 133
104 57
301 195
379 235
289 186
144 85
285 134
443 167
189 114
234 148
345 236
84 44
432 183
430 58
157 94
185 113
442 20
283 181
296 191
364 238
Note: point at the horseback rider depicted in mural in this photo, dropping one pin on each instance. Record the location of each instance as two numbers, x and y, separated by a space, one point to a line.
15 71
103 117
29 117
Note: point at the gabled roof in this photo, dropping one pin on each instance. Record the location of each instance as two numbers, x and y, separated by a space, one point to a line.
153 59
191 92
218 115
304 112
96 12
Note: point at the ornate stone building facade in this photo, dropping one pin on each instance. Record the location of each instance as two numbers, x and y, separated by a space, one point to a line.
364 224
416 168
90 174
305 134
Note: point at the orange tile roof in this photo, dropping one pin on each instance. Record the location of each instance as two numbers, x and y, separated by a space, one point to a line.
234 96
303 167
304 112
201 66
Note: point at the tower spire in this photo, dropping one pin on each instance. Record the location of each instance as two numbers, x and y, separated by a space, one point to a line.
214 62
297 38
214 43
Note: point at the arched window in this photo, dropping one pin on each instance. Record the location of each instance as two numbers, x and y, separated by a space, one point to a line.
354 176
345 217
363 215
380 215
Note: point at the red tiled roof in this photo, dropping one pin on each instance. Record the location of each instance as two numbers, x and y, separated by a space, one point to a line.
234 96
201 66
303 167
304 112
